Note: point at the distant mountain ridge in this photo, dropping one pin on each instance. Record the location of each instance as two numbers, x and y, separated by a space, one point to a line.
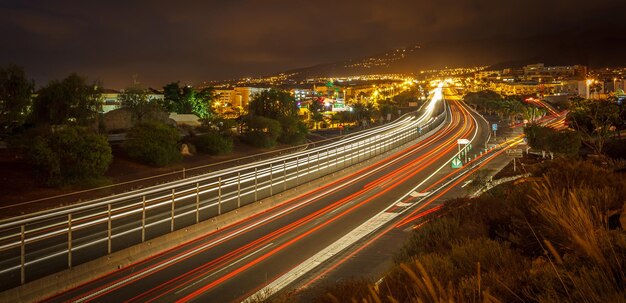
380 63
497 53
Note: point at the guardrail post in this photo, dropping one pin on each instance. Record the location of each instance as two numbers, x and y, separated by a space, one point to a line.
318 164
22 255
336 159
255 185
297 170
238 189
197 202
173 205
143 219
385 147
394 140
219 195
271 180
328 157
284 175
69 240
109 228
344 160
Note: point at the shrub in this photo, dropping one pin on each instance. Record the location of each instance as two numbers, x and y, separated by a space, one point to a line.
259 139
70 155
565 142
261 132
214 144
293 130
152 143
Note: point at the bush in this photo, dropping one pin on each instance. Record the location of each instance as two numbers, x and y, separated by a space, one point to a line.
261 132
152 143
293 130
70 155
213 144
258 139
564 142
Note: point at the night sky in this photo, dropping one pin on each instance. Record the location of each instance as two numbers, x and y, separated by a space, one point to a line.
194 41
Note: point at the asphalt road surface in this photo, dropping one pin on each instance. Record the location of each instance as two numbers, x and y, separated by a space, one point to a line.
233 263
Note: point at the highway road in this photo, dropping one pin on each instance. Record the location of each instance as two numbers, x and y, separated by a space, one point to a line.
233 263
44 243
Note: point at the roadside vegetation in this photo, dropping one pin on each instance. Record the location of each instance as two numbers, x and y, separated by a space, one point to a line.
70 155
555 237
154 144
273 118
512 108
562 142
213 143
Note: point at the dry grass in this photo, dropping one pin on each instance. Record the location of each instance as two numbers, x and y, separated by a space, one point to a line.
556 239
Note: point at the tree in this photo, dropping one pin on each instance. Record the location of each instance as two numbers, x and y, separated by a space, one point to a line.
70 101
363 112
486 101
293 131
136 100
172 97
261 131
276 106
70 155
273 104
565 142
317 118
152 143
186 100
387 107
203 103
15 98
315 107
594 119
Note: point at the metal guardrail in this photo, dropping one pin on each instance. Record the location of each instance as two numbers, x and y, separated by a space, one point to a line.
65 237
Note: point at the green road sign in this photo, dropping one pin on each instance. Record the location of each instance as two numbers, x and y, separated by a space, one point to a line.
456 163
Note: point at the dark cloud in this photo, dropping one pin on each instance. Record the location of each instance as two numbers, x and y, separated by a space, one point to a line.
193 41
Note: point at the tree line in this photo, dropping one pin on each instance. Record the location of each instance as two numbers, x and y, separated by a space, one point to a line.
58 127
590 123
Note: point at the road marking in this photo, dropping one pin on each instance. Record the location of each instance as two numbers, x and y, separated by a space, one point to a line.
403 204
322 256
416 194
